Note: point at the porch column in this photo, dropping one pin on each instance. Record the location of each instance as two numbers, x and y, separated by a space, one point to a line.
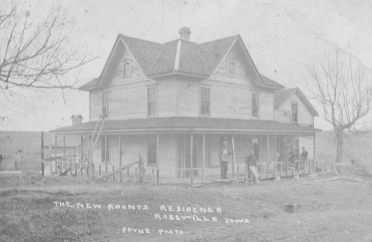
203 171
233 159
120 164
192 159
82 149
268 148
259 147
55 154
104 154
64 147
157 150
42 153
314 167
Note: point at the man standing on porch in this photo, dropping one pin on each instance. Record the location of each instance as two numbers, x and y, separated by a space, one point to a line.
224 159
251 162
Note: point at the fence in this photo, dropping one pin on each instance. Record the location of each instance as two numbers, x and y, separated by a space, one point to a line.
136 171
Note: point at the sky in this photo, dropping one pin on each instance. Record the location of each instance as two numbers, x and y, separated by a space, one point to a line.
283 37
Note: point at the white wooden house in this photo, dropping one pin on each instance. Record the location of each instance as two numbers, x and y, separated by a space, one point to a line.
175 102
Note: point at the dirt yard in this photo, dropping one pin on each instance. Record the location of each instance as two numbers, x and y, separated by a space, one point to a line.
337 210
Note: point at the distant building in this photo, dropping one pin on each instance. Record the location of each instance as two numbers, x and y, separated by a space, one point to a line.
175 102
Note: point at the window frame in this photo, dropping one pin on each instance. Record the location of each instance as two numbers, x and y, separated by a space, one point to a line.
201 101
229 62
108 111
152 115
292 113
257 102
129 63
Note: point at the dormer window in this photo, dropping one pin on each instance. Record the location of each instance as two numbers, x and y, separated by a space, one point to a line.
230 68
127 69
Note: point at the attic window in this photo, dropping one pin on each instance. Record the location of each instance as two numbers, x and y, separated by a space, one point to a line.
294 107
231 68
127 69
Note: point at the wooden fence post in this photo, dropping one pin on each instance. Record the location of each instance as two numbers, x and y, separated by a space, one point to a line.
192 159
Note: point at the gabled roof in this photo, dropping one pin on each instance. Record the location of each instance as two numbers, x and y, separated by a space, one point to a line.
179 57
269 82
212 52
282 95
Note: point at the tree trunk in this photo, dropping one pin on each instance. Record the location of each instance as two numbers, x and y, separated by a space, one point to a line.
339 136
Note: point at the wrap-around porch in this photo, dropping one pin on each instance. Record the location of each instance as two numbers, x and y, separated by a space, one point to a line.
170 155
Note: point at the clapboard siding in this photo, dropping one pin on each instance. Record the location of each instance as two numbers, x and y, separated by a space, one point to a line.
284 112
188 98
95 105
167 98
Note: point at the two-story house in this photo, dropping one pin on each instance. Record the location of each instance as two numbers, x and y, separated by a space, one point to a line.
175 102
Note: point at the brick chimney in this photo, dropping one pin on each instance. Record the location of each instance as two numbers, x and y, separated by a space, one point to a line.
185 33
77 119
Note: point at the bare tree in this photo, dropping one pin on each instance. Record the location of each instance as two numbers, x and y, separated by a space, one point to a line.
36 52
343 87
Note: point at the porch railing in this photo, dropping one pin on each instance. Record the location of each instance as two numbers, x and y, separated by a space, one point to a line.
180 176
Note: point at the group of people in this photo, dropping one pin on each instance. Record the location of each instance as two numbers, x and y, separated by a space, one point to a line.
251 160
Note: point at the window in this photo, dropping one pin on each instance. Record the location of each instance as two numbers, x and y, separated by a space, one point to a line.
105 104
294 112
255 105
151 150
231 68
205 101
127 69
151 102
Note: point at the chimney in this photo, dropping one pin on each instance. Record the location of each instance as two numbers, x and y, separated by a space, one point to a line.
185 33
77 119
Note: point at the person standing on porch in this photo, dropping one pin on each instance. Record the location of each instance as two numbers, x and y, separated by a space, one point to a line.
224 159
304 154
251 162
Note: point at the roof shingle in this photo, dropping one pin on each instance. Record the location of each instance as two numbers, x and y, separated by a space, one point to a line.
195 59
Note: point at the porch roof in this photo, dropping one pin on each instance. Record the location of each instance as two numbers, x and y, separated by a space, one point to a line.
188 125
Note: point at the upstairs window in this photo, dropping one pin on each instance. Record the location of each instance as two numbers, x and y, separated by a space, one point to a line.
231 68
127 69
205 101
105 104
294 109
255 105
151 102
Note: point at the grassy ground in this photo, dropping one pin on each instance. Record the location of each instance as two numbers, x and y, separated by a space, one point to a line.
337 210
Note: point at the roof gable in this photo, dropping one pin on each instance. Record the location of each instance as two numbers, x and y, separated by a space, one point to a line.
178 57
282 95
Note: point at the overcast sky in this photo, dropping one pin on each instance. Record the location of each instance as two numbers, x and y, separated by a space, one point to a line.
283 38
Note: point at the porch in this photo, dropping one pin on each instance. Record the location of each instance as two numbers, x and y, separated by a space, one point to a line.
190 155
